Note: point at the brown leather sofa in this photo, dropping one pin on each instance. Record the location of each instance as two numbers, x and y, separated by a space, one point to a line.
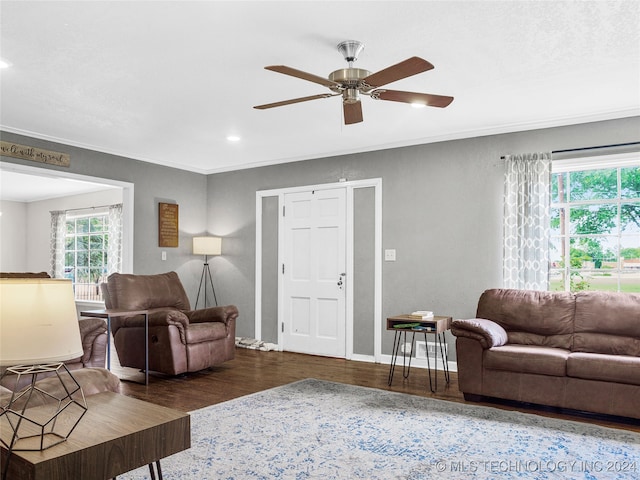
578 351
92 381
181 340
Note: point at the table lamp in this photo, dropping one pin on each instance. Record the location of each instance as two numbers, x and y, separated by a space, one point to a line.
206 246
39 330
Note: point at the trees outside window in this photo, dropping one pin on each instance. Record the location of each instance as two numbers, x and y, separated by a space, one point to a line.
595 230
86 247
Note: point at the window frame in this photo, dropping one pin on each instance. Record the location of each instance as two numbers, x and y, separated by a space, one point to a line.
83 290
616 161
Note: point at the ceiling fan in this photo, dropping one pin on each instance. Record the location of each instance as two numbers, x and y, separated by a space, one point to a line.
351 82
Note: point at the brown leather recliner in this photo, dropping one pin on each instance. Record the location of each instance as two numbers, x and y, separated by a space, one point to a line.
180 339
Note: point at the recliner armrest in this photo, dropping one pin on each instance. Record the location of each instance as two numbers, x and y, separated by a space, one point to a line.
157 317
223 314
487 332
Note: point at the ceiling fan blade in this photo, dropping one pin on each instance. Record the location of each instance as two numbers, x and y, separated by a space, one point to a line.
295 100
410 66
303 75
352 112
412 97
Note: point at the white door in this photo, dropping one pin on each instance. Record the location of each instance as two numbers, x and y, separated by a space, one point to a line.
313 310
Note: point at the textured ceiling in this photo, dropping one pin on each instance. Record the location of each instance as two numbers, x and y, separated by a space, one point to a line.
166 82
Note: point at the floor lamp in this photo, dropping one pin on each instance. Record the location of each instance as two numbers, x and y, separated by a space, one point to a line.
40 330
206 246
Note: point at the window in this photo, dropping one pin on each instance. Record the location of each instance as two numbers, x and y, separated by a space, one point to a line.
595 228
86 254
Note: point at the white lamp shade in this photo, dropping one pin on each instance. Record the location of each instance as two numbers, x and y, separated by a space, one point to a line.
207 245
38 322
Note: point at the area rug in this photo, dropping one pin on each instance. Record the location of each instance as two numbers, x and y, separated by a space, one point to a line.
324 430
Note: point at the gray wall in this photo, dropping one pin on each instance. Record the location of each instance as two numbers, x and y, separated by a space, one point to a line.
363 270
442 212
13 236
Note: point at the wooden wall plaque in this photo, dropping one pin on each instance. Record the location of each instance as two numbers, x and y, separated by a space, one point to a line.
24 152
167 225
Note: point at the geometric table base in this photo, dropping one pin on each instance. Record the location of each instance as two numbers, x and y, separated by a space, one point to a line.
41 417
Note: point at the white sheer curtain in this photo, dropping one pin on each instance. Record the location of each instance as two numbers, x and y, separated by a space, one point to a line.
114 252
527 198
56 243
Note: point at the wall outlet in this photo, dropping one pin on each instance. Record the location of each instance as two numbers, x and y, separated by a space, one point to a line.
423 349
406 348
390 255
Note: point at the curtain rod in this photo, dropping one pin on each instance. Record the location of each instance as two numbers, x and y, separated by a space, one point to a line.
88 208
596 147
613 145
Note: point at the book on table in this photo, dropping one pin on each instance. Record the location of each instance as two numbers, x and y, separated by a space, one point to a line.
421 314
406 325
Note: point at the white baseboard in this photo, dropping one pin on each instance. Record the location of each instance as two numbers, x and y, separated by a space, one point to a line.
386 359
415 362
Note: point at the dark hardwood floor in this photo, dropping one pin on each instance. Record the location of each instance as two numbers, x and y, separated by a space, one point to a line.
252 371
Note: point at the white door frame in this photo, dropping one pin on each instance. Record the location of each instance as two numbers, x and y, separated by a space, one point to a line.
350 186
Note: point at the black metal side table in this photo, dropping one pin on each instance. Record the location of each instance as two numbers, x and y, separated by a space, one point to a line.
403 324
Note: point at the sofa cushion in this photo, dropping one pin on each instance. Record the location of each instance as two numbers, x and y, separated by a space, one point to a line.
24 275
527 359
531 317
143 292
607 322
608 368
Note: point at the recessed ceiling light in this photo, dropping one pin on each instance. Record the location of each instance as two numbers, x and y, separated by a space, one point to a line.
233 138
4 64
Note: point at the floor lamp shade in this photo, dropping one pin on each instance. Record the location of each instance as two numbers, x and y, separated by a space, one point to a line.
38 322
207 245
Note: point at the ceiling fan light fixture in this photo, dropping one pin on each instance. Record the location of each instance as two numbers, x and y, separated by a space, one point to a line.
418 105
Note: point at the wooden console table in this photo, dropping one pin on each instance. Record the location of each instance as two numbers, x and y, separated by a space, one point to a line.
116 435
108 314
436 325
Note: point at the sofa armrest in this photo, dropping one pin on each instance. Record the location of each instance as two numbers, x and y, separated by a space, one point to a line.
157 318
224 314
487 332
93 332
90 327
